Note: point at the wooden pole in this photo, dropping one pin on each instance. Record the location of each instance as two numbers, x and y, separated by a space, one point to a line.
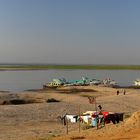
95 105
92 100
79 119
67 128
96 111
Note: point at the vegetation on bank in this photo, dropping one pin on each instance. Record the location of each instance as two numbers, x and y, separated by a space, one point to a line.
70 67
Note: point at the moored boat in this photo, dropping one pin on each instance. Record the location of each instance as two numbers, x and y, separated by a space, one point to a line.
137 82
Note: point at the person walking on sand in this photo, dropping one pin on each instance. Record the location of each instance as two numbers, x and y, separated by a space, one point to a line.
118 92
124 92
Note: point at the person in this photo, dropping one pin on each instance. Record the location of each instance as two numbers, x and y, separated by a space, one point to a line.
117 92
100 107
124 92
94 120
101 121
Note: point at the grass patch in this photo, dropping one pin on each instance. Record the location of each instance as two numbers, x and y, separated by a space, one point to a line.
127 115
134 87
72 67
77 138
86 95
49 136
52 100
74 90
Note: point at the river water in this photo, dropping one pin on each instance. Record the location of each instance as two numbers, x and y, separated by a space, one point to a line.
16 81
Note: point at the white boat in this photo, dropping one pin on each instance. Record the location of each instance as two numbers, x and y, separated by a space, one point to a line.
110 83
137 82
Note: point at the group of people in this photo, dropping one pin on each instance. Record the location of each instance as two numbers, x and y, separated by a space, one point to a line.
118 92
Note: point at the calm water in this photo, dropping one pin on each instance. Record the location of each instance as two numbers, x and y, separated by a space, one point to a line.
23 80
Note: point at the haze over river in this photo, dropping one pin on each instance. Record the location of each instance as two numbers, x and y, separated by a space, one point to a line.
16 81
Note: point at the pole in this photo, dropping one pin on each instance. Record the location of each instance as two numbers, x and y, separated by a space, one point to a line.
96 112
79 119
67 130
95 105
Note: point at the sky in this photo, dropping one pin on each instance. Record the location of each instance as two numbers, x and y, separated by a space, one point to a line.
70 31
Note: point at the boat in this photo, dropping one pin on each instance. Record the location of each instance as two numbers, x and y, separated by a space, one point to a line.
54 84
137 82
110 83
95 82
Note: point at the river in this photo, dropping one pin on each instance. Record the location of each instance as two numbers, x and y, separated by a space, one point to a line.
16 81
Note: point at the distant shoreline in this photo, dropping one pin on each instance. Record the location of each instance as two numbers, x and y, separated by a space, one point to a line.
21 67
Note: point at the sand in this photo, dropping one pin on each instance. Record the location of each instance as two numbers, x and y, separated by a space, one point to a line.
38 120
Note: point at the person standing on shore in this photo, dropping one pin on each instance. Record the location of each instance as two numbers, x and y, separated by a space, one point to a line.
118 92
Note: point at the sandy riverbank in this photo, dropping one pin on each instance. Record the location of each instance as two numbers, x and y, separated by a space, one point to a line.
38 119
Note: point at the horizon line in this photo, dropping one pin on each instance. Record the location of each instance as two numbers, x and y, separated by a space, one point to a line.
33 63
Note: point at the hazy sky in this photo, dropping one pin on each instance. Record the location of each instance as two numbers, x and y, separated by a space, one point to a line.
70 31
